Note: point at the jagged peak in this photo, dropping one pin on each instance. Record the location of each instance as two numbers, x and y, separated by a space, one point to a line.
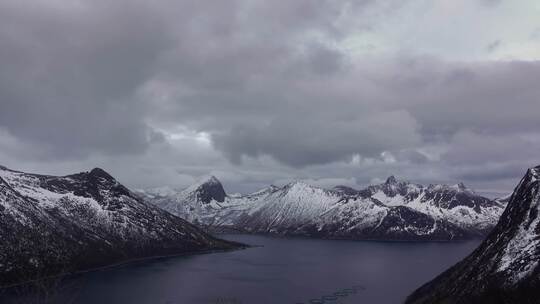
301 186
208 188
98 172
208 180
534 172
391 180
461 187
527 183
205 180
298 184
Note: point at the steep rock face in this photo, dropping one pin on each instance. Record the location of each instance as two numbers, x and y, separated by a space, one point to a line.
505 267
196 203
51 225
392 210
208 190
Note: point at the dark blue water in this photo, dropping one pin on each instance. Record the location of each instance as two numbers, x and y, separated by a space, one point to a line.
284 270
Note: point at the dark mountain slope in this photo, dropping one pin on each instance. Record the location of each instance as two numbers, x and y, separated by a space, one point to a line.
505 267
51 225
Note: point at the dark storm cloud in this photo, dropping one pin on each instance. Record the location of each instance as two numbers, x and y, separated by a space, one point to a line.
265 84
301 119
313 138
69 72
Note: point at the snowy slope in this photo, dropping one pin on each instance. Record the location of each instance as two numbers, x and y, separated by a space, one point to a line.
287 209
505 267
51 224
392 210
456 204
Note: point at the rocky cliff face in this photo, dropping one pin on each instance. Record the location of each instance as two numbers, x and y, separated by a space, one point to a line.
505 267
51 225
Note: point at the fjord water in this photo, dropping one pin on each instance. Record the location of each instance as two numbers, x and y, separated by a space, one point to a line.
281 270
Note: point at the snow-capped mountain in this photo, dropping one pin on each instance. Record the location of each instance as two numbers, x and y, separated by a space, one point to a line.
457 204
505 267
198 201
392 210
51 225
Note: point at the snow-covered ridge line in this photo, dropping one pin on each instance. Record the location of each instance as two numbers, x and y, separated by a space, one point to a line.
54 224
391 210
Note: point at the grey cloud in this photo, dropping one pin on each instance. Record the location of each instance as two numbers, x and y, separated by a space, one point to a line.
69 73
504 171
302 119
470 148
412 156
535 34
496 98
314 138
274 85
491 3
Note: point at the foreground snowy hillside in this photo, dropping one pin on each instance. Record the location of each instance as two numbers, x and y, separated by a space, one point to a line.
51 225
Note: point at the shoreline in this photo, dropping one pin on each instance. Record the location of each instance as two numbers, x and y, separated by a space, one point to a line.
124 263
306 237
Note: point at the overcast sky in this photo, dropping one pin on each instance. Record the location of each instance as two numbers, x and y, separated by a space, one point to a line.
258 92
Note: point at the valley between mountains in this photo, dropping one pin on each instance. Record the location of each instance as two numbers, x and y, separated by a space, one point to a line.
52 225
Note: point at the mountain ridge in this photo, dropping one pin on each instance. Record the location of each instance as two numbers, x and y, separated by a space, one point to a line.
52 225
434 212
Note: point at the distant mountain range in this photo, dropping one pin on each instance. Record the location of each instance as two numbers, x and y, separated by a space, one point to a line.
505 268
51 225
394 210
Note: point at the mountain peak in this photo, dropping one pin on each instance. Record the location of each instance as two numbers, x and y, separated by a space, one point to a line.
208 188
534 172
98 172
208 180
391 180
214 180
298 184
461 187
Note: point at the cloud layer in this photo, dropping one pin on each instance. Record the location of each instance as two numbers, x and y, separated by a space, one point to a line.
264 91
